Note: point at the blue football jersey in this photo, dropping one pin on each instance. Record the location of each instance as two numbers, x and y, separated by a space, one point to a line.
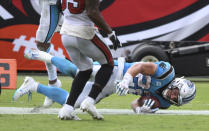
152 85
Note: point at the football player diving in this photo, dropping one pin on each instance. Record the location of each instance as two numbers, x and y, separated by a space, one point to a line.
139 78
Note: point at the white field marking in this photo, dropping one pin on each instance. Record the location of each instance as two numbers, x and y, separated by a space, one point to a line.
22 110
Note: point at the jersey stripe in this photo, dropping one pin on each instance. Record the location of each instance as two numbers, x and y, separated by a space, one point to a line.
54 19
185 100
102 46
166 73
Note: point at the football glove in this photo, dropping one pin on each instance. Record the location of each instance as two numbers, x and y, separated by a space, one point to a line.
114 39
122 87
147 107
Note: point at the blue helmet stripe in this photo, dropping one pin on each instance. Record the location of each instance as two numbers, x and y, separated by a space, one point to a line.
185 100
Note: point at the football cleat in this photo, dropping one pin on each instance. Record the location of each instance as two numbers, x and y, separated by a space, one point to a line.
88 106
29 85
35 54
67 112
48 102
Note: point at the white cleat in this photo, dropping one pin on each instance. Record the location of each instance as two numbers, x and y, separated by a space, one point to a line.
67 112
29 85
48 102
88 106
35 54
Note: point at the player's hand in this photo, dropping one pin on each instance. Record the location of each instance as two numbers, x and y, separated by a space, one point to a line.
115 40
122 88
147 107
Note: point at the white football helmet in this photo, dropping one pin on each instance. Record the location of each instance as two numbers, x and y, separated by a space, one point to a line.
183 89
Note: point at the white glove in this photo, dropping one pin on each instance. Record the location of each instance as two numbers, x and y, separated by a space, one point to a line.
146 107
67 113
122 87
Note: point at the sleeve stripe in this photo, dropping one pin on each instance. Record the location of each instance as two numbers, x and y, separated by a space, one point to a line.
166 73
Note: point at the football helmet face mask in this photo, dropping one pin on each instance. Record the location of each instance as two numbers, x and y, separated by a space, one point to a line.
180 91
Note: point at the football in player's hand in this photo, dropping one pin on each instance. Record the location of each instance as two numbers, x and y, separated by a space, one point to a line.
142 99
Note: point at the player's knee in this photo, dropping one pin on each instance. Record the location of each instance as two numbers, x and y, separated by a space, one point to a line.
107 67
43 46
110 63
85 73
103 75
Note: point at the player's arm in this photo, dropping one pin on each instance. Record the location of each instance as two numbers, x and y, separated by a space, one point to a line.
145 68
134 105
93 12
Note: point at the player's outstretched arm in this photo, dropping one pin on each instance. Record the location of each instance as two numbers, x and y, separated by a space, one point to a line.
145 68
92 8
93 12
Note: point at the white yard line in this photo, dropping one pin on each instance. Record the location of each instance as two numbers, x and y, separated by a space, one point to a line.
20 110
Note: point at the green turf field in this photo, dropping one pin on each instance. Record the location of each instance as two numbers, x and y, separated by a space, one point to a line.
112 122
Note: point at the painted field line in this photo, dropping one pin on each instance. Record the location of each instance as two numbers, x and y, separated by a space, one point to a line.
21 110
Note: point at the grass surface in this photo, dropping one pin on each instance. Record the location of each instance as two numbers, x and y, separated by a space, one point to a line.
111 122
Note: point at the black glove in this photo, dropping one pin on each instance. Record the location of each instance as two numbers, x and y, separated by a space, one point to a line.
114 39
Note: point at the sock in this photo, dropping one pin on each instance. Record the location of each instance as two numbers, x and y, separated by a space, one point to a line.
101 79
64 66
77 86
56 94
96 89
52 71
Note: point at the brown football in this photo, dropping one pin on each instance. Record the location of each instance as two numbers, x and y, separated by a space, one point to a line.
143 98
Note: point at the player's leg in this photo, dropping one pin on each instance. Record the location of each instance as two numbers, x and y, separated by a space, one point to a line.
29 85
56 94
48 23
84 65
98 50
110 86
63 65
83 94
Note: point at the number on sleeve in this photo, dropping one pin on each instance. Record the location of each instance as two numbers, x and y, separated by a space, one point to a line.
148 81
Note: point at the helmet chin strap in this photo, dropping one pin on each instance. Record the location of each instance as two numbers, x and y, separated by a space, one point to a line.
165 92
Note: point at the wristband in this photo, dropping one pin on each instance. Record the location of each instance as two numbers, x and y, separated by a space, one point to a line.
128 77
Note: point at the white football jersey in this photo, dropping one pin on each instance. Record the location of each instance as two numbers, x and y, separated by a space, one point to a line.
75 13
